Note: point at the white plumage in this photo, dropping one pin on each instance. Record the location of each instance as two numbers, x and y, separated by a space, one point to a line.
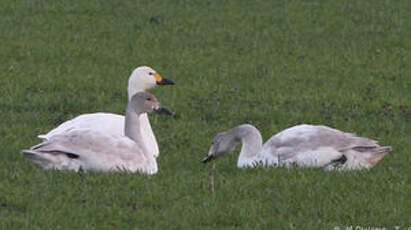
302 145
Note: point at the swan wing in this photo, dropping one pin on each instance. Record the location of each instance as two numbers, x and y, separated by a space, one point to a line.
96 151
104 122
109 123
312 146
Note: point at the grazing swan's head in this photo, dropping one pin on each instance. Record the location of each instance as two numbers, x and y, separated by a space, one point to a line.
221 144
143 102
225 142
144 78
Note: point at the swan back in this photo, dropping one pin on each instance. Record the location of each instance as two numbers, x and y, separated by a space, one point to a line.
322 146
313 136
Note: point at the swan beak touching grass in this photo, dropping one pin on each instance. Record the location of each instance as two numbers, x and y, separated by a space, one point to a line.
161 80
222 144
208 158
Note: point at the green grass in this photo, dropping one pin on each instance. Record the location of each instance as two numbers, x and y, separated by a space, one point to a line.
273 64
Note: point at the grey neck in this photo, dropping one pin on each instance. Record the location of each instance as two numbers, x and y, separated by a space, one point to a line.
132 127
252 143
132 124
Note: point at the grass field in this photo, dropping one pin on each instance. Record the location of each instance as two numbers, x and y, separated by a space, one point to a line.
273 64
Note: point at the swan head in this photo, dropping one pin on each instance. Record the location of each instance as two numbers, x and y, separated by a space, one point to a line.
226 142
221 144
143 102
144 78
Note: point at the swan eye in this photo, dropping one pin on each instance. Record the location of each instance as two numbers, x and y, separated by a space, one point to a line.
148 98
150 73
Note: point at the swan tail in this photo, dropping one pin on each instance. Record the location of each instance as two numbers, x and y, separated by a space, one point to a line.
373 154
378 153
43 137
52 160
38 158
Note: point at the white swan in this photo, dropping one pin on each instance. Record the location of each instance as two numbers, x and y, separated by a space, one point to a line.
141 79
301 145
94 150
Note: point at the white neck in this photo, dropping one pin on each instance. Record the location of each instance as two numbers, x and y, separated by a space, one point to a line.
133 90
252 143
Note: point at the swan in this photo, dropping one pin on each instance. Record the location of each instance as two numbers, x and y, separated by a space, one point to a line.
95 150
302 145
141 79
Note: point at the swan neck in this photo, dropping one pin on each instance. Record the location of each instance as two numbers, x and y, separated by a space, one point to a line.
132 130
132 125
252 143
132 89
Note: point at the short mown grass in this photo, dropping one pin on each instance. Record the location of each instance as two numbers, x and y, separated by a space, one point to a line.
273 64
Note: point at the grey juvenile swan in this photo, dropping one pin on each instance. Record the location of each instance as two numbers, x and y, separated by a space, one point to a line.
94 150
302 145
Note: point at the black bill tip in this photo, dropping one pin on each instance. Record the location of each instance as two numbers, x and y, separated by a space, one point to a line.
207 158
163 110
165 81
